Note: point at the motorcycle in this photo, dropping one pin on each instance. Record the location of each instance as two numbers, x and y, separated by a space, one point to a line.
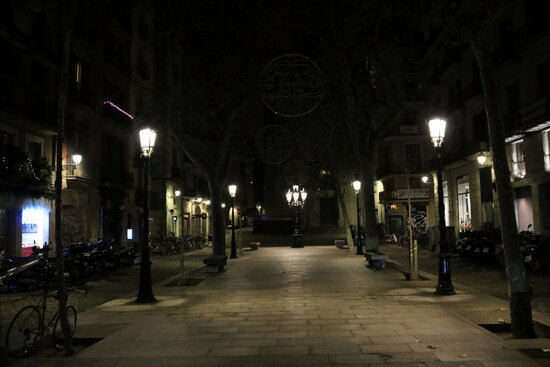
18 273
537 255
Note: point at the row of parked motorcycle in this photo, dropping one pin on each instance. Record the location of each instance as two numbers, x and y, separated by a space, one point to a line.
82 261
487 247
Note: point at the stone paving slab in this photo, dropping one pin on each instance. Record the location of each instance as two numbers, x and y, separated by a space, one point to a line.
314 306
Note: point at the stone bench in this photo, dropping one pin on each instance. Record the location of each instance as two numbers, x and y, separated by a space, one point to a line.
254 245
341 244
376 260
215 263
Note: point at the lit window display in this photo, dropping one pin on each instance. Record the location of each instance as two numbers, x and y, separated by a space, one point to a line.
35 222
464 215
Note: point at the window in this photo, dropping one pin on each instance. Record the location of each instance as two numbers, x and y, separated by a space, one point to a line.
543 78
7 140
518 161
463 201
479 127
412 158
34 147
546 148
78 74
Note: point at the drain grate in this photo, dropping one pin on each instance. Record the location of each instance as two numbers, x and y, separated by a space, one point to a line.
45 349
504 330
536 353
187 282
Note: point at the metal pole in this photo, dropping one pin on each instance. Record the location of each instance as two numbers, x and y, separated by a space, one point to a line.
233 244
444 283
145 294
358 242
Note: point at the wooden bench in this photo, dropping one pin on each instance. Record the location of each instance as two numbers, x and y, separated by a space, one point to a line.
254 245
215 263
376 260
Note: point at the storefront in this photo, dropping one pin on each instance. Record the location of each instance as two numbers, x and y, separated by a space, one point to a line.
24 224
35 231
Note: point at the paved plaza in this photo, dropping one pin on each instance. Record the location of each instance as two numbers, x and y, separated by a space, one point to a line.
312 306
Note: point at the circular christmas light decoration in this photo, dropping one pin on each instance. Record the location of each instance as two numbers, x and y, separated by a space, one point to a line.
291 85
274 144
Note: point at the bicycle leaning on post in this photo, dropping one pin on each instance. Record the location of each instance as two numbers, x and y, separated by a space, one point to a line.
30 324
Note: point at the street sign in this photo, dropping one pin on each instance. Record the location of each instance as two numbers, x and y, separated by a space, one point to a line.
410 193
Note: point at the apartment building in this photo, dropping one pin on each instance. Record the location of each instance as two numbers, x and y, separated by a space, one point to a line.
520 45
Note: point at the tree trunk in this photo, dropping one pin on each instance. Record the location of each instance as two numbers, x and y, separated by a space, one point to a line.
344 210
518 286
218 218
61 290
369 208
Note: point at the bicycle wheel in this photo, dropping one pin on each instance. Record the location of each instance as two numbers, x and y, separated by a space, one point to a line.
23 331
58 341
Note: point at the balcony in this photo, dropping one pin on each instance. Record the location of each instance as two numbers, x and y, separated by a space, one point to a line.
23 176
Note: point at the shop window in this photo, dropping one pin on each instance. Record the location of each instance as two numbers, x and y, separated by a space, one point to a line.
463 201
546 147
518 160
446 202
523 207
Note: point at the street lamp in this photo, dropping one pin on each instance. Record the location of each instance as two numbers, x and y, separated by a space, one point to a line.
147 139
296 199
482 158
77 158
359 250
444 283
232 193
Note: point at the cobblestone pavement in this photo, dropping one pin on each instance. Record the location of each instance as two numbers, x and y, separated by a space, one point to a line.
315 306
120 281
477 277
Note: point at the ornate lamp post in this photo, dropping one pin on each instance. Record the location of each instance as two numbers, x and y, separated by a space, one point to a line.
233 192
444 283
296 199
147 139
359 250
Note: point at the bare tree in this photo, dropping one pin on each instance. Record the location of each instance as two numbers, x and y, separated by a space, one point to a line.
371 69
474 21
211 64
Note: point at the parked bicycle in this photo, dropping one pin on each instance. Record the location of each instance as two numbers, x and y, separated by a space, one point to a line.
31 323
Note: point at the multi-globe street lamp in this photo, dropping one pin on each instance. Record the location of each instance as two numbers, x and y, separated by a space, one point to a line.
232 193
444 283
359 250
147 137
296 199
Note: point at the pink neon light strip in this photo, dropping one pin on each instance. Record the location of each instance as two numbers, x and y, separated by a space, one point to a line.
118 108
